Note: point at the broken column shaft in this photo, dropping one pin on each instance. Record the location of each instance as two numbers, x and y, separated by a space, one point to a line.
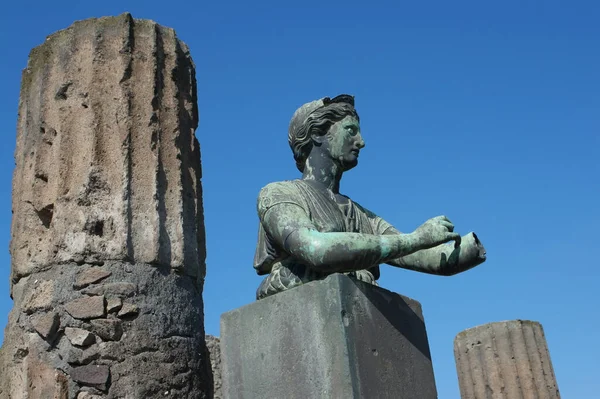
107 233
505 360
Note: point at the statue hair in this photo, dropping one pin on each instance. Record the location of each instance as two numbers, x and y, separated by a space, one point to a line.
318 122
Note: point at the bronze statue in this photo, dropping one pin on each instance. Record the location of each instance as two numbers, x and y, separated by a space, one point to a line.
309 230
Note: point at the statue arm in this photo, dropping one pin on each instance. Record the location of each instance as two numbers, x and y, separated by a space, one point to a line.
443 260
289 225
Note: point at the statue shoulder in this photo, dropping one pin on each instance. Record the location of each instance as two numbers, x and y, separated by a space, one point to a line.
378 225
368 213
276 193
278 188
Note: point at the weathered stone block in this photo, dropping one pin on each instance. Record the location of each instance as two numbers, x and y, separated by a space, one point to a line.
114 304
86 307
46 324
330 338
108 329
128 310
120 289
40 297
91 375
90 276
79 356
79 336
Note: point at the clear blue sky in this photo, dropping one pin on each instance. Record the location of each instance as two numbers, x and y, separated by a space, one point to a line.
488 112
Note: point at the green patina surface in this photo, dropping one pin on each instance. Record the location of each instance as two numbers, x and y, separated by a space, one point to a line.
309 230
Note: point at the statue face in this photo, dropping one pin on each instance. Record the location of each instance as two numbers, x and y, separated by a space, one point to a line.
344 142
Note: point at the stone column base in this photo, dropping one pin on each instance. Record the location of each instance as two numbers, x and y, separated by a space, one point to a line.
106 331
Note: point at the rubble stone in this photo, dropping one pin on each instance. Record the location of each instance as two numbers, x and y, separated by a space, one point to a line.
86 307
79 336
46 324
90 276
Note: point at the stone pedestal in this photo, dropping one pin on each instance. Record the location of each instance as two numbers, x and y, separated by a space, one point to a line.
107 247
505 360
335 338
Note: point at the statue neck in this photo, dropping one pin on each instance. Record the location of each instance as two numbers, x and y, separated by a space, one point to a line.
324 171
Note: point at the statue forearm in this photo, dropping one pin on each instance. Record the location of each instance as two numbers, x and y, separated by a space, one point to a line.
344 252
331 252
445 259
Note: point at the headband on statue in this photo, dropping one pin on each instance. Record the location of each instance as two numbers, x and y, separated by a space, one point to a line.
342 98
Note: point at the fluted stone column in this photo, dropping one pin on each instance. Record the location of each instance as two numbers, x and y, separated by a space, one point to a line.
107 240
505 360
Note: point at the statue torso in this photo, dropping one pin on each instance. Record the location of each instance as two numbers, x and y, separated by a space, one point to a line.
327 214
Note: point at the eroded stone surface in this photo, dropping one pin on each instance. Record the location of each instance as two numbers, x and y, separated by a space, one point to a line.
98 171
45 382
32 377
214 347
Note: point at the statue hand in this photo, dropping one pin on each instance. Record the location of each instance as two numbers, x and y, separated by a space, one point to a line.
436 231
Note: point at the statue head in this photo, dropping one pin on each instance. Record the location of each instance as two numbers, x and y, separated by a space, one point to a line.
312 121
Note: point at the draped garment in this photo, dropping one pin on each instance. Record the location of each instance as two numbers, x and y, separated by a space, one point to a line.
325 215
